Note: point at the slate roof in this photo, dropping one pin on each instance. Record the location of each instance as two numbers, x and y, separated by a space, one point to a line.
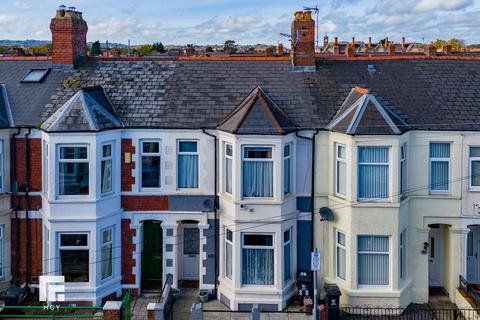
88 110
183 94
257 114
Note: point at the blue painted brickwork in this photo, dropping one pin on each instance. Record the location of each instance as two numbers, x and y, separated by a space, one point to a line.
303 244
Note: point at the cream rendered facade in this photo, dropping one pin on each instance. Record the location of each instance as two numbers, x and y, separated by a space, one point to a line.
434 225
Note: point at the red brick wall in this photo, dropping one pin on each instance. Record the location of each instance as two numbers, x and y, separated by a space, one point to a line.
127 252
127 179
34 203
35 227
303 51
144 203
34 162
69 39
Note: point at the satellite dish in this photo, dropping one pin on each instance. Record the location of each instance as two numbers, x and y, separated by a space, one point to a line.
207 205
326 214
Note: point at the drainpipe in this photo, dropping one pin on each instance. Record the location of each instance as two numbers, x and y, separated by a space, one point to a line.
27 204
15 204
215 205
312 199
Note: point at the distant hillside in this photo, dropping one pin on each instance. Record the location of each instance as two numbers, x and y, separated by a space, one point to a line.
35 43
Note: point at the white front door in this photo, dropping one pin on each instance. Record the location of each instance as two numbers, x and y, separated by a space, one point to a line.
435 258
190 253
473 243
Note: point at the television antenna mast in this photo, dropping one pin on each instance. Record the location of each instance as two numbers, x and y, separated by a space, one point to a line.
317 12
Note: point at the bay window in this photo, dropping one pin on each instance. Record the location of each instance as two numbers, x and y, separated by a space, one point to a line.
439 167
150 153
287 169
106 168
257 259
475 167
373 172
107 252
187 170
74 257
73 166
287 255
257 165
341 170
373 260
341 253
228 168
228 253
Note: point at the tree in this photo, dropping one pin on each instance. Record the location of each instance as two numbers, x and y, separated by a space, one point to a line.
158 46
230 46
96 50
42 50
457 44
208 49
144 49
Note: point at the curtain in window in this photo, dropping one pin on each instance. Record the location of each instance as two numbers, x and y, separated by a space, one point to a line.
286 261
228 260
257 179
439 150
286 176
373 260
257 266
341 263
439 175
373 177
106 176
476 173
228 175
106 260
188 171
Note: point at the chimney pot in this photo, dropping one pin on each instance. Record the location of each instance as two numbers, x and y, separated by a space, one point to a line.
325 40
298 15
385 43
307 15
369 42
335 41
403 42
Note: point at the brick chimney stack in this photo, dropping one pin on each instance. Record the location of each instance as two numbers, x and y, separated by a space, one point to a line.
69 37
430 50
447 50
353 42
391 49
369 42
403 42
190 50
325 40
303 42
280 49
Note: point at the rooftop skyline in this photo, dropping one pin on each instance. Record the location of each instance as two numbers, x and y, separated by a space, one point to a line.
247 21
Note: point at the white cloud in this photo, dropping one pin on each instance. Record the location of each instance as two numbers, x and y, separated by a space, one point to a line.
447 5
22 5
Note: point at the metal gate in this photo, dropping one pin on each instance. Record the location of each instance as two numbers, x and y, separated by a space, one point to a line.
127 305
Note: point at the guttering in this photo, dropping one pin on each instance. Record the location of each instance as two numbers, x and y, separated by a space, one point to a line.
27 205
312 197
215 205
14 190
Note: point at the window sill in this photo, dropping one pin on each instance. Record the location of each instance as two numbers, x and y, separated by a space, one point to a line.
474 189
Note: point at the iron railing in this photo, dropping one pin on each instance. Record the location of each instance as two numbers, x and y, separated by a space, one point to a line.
471 291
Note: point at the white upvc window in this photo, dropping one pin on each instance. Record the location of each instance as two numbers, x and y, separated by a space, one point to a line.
340 170
373 261
73 170
2 251
287 254
474 168
228 168
257 172
439 167
107 253
107 168
187 164
46 249
403 170
228 253
45 169
2 170
403 254
373 173
287 168
74 251
151 164
257 259
340 254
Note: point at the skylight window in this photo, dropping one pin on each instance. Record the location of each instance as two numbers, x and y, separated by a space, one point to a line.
371 68
36 75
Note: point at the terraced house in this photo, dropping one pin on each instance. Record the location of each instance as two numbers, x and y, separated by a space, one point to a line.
128 172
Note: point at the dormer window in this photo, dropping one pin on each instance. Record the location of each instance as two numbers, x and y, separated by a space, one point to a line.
73 170
35 76
257 172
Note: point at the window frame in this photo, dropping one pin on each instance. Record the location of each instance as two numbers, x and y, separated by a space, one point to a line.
188 153
285 158
284 244
59 160
271 159
45 169
79 248
106 243
436 159
470 160
271 247
403 192
377 253
387 164
402 255
46 71
2 252
226 158
108 158
2 166
344 161
339 246
228 243
150 154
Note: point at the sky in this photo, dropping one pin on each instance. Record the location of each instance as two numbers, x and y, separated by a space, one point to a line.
246 21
